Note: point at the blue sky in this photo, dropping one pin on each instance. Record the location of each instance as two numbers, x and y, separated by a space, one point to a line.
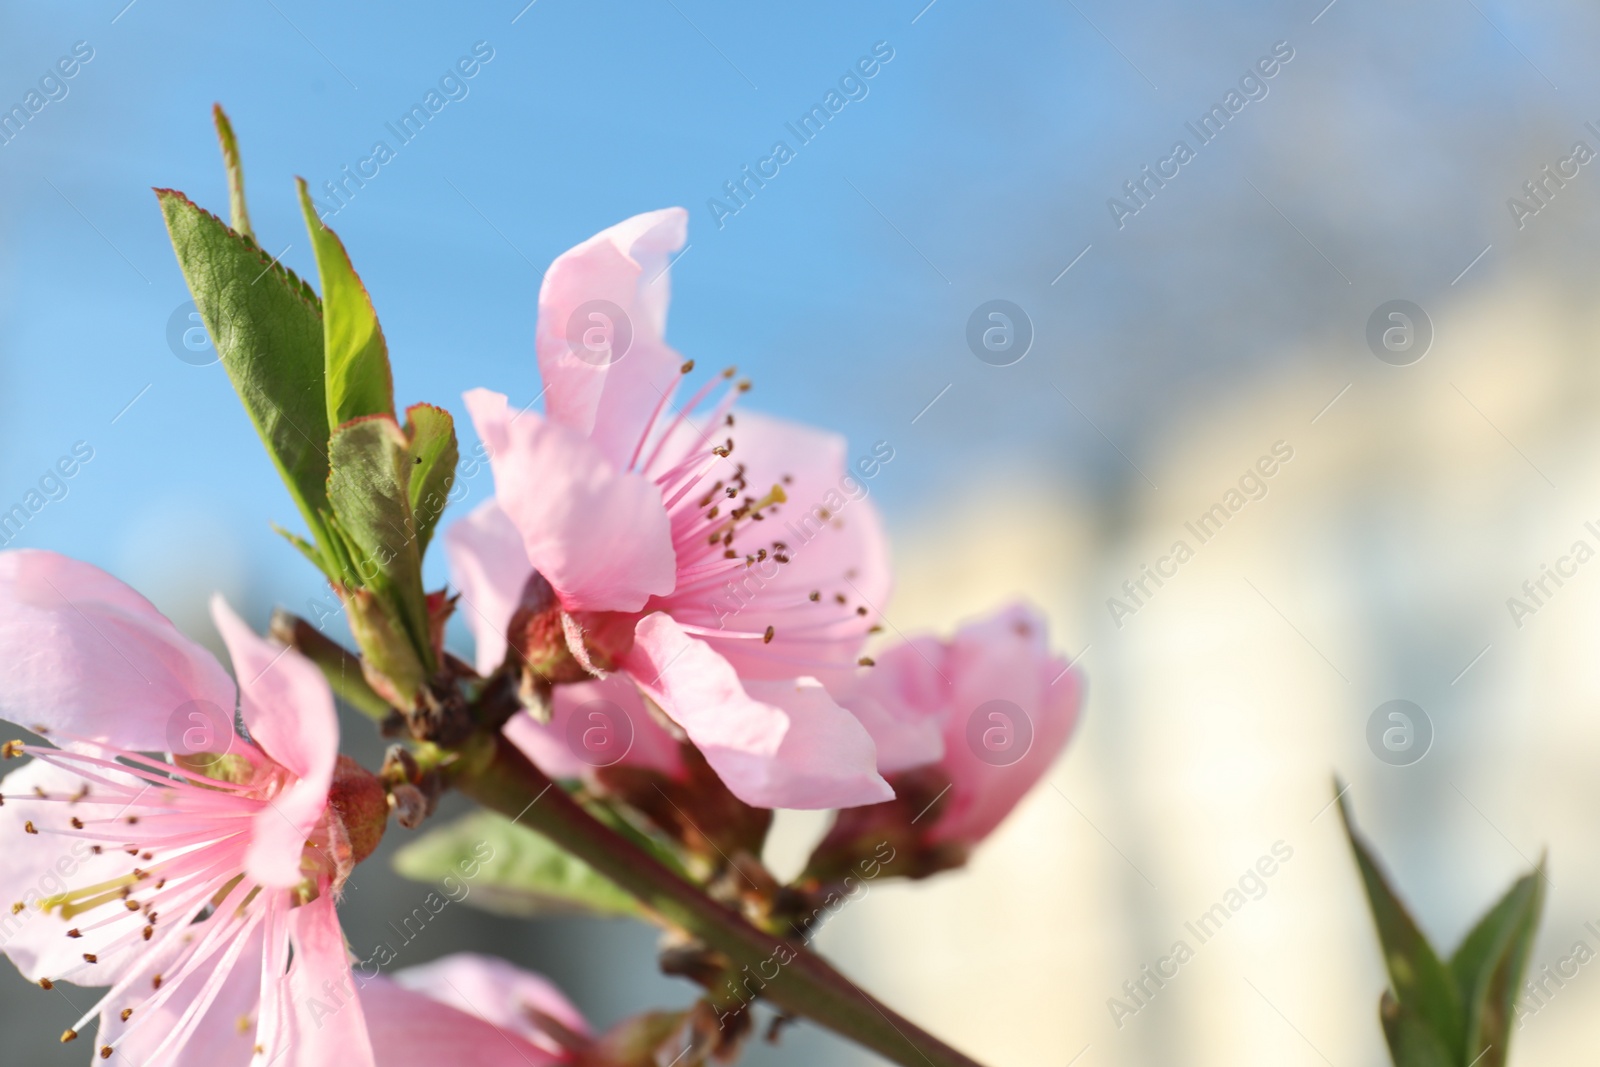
976 166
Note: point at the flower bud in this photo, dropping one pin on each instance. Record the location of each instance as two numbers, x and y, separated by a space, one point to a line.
964 729
541 639
356 800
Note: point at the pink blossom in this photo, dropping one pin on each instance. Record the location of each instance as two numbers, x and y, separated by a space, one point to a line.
460 1009
467 1008
709 559
596 724
990 709
182 882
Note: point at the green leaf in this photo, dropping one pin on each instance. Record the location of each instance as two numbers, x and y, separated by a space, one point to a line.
238 215
432 433
358 378
369 491
642 840
1423 986
1411 1043
306 548
340 553
267 326
1489 964
389 661
511 870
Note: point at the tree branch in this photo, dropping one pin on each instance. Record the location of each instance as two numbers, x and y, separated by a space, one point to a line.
801 982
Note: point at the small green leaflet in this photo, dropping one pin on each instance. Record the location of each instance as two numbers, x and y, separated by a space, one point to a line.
1455 1015
510 869
358 379
267 326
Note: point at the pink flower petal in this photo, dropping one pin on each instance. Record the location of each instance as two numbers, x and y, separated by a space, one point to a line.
599 536
43 864
903 704
488 567
608 395
83 653
610 706
413 1030
217 1039
317 1011
288 709
847 542
775 744
1004 657
278 834
498 992
835 544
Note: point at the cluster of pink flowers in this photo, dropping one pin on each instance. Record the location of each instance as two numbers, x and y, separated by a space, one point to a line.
183 838
644 529
154 849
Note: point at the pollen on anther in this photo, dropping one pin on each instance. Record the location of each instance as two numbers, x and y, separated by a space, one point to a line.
74 932
125 1013
68 1035
96 849
133 820
816 595
861 611
105 1052
45 983
867 661
131 905
28 827
148 931
77 823
155 983
11 749
766 638
90 957
687 367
